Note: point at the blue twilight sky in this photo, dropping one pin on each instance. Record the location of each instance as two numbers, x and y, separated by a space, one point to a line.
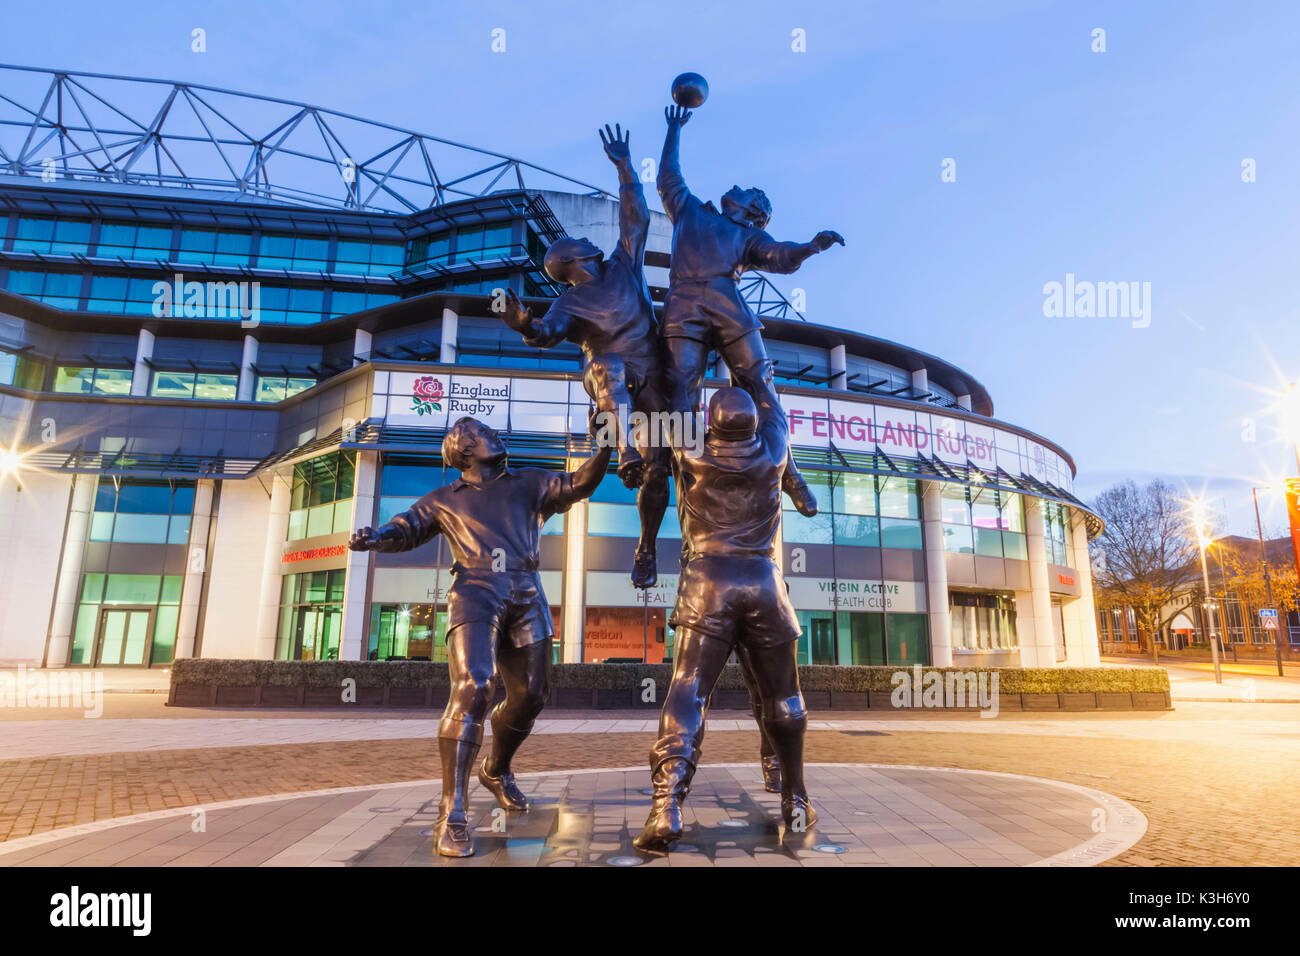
1124 165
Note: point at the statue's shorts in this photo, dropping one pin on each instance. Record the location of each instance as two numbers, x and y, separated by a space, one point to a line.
508 603
708 310
740 599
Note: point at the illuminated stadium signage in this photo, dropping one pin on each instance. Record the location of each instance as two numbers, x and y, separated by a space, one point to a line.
558 407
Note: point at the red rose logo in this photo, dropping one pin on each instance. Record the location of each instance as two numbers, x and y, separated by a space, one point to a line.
426 394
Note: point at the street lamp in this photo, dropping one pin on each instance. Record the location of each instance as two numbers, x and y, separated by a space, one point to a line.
1268 578
1203 540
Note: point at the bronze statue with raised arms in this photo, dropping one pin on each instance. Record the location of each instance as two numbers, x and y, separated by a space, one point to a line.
498 617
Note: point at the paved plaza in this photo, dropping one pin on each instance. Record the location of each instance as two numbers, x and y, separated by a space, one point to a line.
1184 787
868 815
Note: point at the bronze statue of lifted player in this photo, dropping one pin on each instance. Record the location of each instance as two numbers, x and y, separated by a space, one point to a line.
705 310
498 617
607 310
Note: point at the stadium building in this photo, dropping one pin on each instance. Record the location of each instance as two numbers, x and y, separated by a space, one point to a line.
233 328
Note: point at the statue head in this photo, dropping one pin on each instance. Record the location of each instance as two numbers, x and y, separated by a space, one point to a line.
747 207
570 261
732 415
469 443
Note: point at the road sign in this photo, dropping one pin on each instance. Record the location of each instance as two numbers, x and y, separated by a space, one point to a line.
1268 618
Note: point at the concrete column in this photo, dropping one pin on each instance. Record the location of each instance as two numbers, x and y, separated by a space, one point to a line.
936 575
920 382
277 526
575 582
196 566
839 366
450 337
68 588
720 370
356 620
963 401
1039 650
361 346
1090 650
143 353
247 377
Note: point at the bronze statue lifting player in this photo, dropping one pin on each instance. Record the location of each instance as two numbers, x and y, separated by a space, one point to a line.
497 614
730 597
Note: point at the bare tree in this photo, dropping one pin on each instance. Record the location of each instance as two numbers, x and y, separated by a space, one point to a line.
1148 555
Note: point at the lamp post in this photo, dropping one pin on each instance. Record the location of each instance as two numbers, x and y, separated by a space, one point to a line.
1202 539
1268 582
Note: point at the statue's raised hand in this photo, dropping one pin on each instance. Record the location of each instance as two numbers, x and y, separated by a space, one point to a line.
825 239
516 310
677 116
616 143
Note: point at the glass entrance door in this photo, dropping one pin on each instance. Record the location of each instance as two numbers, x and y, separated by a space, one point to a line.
317 632
125 635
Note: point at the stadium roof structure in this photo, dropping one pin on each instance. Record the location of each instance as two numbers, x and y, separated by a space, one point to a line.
108 129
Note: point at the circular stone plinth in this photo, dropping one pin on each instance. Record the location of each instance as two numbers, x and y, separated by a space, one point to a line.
868 815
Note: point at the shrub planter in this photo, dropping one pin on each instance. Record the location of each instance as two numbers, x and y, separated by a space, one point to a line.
197 682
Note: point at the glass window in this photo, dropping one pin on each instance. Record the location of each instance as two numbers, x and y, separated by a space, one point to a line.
215 387
214 247
854 495
435 249
797 529
361 257
1056 523
59 289
898 533
92 381
135 241
68 378
956 507
19 370
907 638
1014 546
172 385
857 530
899 498
140 529
484 242
56 236
982 621
132 589
347 303
317 485
275 388
1012 512
144 498
304 253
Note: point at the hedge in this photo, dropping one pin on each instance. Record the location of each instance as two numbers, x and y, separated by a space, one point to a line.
821 677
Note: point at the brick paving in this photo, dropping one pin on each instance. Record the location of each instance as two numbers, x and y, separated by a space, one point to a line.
1204 800
868 816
